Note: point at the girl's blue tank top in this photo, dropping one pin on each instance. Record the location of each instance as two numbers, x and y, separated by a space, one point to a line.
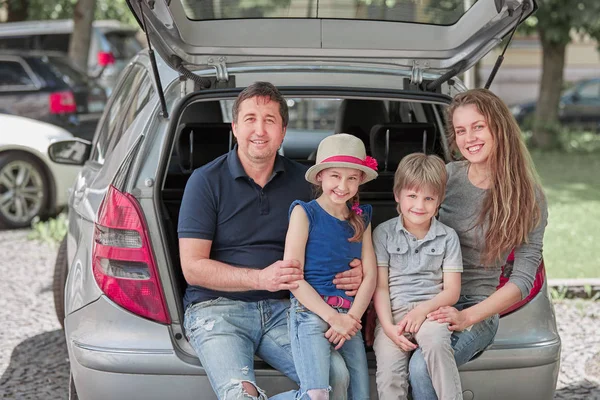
328 250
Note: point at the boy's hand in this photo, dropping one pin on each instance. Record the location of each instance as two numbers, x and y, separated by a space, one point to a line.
397 336
350 280
412 321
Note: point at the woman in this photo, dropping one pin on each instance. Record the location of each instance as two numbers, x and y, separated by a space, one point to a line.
495 203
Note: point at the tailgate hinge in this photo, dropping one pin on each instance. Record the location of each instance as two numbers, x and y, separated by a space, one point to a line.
220 67
416 74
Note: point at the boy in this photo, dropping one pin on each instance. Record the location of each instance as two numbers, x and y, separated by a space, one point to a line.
419 270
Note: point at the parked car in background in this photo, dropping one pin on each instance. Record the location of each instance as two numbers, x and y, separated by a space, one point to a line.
579 106
30 183
45 86
388 82
112 43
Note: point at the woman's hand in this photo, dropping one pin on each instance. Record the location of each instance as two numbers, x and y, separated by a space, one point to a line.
457 320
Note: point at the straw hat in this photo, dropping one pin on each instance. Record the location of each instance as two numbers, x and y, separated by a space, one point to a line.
343 151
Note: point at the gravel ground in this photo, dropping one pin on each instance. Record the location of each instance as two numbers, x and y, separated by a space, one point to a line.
33 355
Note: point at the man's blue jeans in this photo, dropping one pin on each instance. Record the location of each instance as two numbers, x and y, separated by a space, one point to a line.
312 354
466 345
226 334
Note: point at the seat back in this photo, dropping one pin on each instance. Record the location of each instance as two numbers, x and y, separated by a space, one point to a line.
390 143
357 117
200 143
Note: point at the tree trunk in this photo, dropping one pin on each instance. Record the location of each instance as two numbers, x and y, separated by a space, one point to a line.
79 47
17 10
546 115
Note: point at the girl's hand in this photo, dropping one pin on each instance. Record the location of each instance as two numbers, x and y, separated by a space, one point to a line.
335 338
457 320
412 321
345 325
397 336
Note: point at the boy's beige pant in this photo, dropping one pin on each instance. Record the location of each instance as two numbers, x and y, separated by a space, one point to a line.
392 362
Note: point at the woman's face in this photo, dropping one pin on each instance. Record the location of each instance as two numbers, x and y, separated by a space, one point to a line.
473 137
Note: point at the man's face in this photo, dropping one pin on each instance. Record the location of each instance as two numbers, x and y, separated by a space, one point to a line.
259 129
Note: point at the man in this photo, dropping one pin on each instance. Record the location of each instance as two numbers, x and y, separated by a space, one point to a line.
232 228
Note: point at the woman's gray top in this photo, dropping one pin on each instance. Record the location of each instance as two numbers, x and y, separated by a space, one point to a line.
460 211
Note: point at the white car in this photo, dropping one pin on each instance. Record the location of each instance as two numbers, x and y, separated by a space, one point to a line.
30 183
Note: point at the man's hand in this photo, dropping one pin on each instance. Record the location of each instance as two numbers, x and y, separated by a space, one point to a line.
350 280
281 275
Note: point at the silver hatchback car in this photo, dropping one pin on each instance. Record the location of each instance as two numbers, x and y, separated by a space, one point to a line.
383 71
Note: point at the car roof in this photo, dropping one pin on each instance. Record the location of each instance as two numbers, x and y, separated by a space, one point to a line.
31 53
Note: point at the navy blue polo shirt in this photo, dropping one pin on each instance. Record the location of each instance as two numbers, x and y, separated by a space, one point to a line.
246 223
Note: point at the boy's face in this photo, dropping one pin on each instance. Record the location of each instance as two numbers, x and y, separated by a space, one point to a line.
417 206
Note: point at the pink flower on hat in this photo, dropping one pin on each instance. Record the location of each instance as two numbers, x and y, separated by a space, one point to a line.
371 163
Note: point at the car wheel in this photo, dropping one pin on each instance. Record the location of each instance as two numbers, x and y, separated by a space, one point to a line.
24 190
61 268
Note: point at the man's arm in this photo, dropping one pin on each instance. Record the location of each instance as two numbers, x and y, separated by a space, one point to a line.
200 270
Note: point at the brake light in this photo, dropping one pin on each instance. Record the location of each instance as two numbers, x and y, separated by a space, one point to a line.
538 282
62 102
105 58
123 264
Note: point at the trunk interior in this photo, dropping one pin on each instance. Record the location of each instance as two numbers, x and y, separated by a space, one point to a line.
390 129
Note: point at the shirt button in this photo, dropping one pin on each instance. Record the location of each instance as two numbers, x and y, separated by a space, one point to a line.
397 248
433 250
416 251
414 240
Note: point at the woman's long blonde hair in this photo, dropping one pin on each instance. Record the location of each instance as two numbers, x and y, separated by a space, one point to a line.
510 210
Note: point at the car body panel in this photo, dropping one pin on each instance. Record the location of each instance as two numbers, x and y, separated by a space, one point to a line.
34 137
399 44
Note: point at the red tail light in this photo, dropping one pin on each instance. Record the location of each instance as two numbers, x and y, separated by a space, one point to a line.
123 263
62 102
538 282
105 58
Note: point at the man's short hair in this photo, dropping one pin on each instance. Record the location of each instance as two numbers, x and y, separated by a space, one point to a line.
419 171
262 89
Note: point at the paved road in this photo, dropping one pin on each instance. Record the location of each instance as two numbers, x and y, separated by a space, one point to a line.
33 355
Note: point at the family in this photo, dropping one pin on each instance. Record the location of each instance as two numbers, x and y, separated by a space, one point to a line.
276 271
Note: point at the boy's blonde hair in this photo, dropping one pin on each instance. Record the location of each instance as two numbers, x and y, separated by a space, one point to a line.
418 171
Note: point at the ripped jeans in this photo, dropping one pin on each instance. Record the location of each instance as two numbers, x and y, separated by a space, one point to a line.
226 334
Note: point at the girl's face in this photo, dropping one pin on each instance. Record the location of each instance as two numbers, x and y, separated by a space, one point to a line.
473 137
340 184
418 206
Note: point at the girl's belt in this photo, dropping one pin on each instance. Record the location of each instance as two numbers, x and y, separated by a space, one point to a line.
337 301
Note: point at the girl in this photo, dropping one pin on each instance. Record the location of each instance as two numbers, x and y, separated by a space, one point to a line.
324 235
495 203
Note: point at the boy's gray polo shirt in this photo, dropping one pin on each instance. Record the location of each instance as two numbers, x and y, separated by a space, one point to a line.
416 265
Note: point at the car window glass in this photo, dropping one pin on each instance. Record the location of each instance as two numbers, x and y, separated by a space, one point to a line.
13 74
590 91
58 42
124 45
116 113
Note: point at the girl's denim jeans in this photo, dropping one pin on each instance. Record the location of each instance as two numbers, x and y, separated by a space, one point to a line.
312 354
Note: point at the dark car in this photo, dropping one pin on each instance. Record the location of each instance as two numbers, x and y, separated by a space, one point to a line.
48 88
579 106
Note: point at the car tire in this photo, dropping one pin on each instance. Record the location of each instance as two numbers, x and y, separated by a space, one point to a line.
61 269
21 202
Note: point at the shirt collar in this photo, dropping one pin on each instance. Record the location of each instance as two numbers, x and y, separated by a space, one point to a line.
436 228
237 170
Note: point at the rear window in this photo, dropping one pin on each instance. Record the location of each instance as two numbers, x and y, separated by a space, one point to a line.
13 74
124 45
58 71
438 12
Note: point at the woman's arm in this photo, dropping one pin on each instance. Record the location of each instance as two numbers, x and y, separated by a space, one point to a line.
365 291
